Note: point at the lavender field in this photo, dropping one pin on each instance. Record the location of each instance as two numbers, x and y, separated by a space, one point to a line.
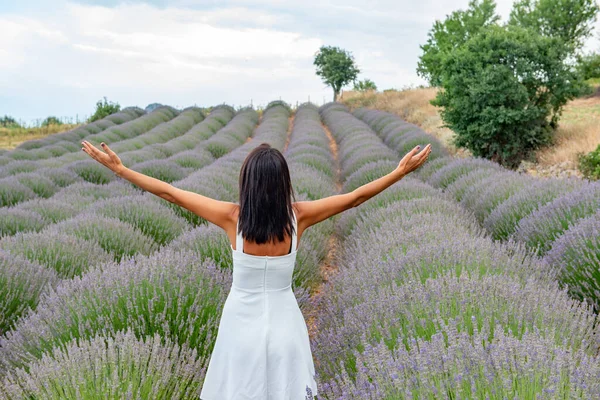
464 280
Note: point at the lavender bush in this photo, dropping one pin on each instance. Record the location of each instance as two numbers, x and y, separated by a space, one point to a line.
12 192
114 236
68 255
13 220
576 254
502 221
540 228
21 284
445 176
112 368
171 293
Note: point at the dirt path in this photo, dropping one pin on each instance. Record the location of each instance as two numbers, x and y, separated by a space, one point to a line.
289 131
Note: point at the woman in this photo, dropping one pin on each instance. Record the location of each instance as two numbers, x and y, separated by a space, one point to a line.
262 350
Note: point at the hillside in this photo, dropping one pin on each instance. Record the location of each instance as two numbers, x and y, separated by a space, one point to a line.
579 129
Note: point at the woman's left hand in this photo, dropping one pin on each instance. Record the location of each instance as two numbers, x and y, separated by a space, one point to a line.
108 159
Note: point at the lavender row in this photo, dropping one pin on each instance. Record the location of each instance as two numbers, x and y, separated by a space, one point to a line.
312 169
398 134
34 214
88 224
34 179
426 304
535 211
26 150
113 134
145 293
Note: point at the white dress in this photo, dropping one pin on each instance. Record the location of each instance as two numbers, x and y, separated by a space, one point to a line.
262 350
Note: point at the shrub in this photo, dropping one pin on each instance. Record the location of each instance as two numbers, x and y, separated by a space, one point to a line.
589 164
171 293
13 192
541 228
577 256
21 284
502 221
365 85
113 235
151 218
41 186
452 171
13 220
207 241
92 171
52 120
53 210
111 367
68 255
165 170
104 109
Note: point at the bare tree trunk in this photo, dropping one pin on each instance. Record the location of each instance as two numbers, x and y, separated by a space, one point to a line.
335 95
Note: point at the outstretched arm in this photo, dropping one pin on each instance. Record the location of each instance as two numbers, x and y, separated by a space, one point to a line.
215 211
312 212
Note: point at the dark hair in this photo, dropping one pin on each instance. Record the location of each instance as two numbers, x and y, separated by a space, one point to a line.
266 196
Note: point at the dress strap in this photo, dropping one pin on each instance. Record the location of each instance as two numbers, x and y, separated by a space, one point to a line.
239 240
295 234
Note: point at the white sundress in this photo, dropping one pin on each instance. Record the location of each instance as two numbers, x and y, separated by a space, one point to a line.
262 350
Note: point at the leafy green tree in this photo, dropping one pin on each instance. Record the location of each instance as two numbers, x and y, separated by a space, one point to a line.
446 36
104 109
571 21
336 67
52 120
364 85
503 92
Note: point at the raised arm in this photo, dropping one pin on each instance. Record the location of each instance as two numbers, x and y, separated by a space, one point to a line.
218 212
312 212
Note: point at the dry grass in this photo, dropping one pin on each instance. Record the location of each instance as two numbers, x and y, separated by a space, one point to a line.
579 129
12 137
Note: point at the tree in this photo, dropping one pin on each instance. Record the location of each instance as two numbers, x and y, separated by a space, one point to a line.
9 122
336 68
569 20
503 92
104 109
447 36
363 86
51 121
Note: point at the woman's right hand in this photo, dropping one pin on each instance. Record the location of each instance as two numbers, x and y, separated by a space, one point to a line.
412 160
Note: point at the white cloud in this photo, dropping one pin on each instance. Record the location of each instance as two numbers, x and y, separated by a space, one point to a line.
63 61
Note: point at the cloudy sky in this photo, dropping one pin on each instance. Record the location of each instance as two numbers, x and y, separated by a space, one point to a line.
60 57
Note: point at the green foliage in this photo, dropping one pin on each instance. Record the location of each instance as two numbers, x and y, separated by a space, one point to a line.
104 109
446 36
52 120
364 85
504 90
589 164
336 68
571 21
589 66
8 122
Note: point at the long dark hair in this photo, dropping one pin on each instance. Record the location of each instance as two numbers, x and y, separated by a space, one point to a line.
266 196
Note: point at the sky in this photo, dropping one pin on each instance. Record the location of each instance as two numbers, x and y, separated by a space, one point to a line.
60 57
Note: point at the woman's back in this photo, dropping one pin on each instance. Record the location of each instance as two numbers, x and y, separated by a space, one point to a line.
262 350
